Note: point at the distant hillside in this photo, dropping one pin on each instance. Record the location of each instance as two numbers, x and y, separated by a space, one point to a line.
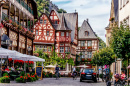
48 5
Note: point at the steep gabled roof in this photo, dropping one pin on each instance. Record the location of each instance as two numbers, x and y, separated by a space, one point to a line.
86 27
69 21
62 25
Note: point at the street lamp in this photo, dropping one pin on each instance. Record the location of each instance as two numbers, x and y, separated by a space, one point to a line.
29 49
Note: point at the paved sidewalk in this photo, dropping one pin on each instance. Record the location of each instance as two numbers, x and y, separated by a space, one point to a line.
54 82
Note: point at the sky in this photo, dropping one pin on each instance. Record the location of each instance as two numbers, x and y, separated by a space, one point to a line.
97 11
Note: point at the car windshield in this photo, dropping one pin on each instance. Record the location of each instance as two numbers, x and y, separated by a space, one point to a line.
88 70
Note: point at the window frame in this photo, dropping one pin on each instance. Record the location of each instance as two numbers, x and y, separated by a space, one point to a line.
88 43
67 34
87 33
62 34
44 48
83 54
49 48
61 49
82 43
89 54
45 21
47 34
41 21
37 33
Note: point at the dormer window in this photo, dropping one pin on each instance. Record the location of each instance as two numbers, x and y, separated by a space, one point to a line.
86 33
48 33
62 33
44 21
36 32
41 21
56 22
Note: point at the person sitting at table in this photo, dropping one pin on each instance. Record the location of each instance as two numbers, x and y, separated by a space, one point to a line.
12 68
30 70
21 68
7 69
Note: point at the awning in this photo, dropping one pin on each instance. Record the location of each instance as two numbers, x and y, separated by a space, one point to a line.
4 53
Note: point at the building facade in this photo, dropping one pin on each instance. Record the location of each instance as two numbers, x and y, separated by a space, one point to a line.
114 21
17 18
57 30
88 43
124 14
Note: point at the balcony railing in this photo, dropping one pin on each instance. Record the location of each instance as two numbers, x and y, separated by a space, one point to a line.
5 17
25 6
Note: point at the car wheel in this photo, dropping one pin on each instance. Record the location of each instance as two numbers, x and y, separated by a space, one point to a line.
80 80
95 80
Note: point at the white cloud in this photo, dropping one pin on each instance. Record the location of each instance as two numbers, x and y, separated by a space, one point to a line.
98 12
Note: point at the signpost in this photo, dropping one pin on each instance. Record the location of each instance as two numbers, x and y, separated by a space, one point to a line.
39 70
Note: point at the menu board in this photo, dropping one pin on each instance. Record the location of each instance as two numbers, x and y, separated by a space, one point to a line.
39 70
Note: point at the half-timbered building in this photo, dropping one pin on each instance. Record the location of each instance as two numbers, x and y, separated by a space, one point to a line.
17 18
88 43
58 29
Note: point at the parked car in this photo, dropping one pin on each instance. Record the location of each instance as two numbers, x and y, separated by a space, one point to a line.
88 74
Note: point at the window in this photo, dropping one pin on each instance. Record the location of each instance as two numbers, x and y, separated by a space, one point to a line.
49 49
61 49
61 44
89 43
82 43
67 49
120 3
56 22
45 49
67 33
86 33
41 21
47 33
62 33
36 32
83 55
40 47
44 21
127 21
89 54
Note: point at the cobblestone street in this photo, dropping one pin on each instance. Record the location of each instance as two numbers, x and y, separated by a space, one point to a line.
54 82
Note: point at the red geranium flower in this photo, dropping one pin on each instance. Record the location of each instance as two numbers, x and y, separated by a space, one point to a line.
21 76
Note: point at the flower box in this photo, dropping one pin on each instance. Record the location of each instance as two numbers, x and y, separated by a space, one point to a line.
89 47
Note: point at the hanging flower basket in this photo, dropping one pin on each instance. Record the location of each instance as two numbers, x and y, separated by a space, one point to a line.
111 19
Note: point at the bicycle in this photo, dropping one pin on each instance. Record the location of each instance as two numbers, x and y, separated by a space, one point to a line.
57 75
120 82
74 75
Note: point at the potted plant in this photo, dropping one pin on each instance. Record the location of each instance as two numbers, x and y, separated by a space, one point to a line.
14 24
19 27
21 79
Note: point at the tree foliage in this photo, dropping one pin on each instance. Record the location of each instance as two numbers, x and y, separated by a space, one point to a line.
61 10
41 4
120 41
53 58
104 56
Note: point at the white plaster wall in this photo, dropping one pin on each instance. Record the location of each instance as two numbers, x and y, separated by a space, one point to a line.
124 12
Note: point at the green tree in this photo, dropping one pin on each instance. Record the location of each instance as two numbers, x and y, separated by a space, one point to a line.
104 56
120 41
61 10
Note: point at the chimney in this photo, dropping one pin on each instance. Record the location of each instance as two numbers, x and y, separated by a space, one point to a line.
87 19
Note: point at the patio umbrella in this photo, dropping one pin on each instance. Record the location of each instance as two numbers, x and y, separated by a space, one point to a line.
84 66
50 66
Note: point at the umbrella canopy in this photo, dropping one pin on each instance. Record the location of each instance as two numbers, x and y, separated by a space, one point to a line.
5 52
84 66
50 66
